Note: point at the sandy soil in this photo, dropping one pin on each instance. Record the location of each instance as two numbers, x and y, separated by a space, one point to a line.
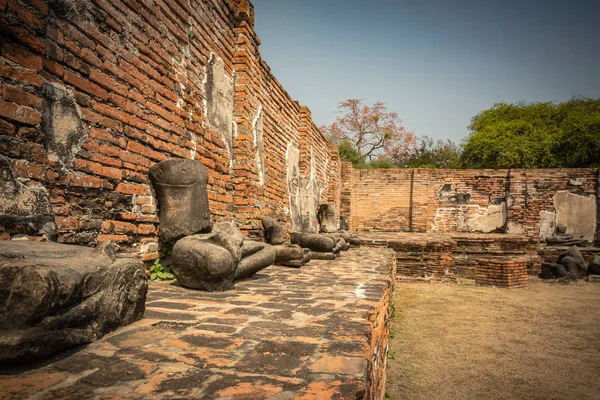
469 342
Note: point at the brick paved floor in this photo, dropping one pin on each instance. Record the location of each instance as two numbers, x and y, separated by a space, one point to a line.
315 332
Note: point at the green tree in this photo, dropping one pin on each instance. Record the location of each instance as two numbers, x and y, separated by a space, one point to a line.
349 153
431 153
535 135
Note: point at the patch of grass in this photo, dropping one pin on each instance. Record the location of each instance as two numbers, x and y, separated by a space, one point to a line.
470 342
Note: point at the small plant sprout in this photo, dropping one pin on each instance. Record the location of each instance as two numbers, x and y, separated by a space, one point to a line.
159 272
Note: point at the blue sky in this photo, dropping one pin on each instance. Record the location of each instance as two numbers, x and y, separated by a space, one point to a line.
436 63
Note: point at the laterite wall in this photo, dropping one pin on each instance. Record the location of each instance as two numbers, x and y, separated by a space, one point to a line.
93 93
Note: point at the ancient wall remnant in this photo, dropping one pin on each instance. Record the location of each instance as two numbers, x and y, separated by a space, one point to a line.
447 201
577 213
93 94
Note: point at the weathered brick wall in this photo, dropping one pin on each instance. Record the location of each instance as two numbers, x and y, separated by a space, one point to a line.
138 82
424 200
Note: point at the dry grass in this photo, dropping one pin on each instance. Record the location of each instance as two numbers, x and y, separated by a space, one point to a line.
469 342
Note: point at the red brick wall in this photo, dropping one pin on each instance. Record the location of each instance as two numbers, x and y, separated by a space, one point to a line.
412 200
137 70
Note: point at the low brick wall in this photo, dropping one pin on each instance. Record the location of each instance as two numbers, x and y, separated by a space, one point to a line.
494 259
319 332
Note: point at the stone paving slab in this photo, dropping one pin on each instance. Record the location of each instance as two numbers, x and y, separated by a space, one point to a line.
318 332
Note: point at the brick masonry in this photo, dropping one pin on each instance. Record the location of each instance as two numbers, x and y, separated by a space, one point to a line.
444 201
151 80
311 333
501 260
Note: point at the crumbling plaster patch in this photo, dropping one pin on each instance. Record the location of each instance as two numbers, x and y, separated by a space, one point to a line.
219 101
62 124
547 224
493 219
292 159
577 213
259 145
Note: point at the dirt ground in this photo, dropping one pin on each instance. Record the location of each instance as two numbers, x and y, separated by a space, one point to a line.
470 342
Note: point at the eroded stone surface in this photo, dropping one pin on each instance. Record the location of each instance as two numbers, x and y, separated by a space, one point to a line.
24 208
577 213
54 296
492 220
284 334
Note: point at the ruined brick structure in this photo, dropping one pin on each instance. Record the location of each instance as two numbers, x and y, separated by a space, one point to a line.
93 93
524 202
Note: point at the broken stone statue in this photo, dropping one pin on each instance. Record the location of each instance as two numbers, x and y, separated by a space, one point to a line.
327 219
213 261
561 238
273 231
180 186
322 246
570 265
327 224
54 296
573 262
287 255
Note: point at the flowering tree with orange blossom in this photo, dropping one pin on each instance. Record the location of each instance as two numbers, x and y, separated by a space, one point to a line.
373 131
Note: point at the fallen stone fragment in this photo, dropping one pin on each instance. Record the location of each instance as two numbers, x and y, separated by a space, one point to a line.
553 271
593 278
317 255
273 231
594 267
54 296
